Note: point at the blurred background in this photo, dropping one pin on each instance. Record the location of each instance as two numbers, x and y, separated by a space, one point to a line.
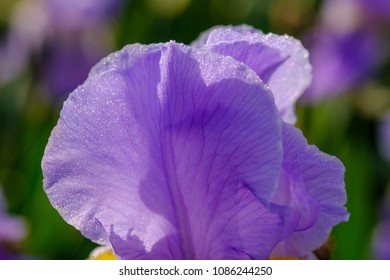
48 46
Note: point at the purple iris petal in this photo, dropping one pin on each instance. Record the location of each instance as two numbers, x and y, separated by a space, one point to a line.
310 195
168 152
280 61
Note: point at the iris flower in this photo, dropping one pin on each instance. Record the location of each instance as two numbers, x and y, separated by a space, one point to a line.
175 152
283 63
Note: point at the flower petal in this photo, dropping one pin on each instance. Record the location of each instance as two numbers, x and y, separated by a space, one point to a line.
312 193
280 61
169 152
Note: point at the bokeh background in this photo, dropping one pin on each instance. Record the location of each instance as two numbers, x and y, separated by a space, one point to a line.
48 46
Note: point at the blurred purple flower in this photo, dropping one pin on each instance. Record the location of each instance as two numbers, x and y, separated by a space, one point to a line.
280 61
13 57
68 34
344 48
376 8
381 240
75 41
340 61
172 152
308 177
27 29
12 230
384 136
76 15
67 66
